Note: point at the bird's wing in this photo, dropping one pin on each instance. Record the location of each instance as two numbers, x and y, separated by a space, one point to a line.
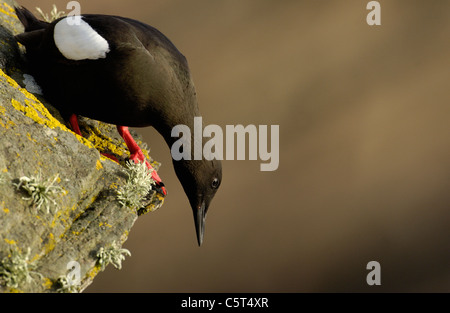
121 30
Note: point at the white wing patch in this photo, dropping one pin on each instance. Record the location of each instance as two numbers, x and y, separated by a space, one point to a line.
79 41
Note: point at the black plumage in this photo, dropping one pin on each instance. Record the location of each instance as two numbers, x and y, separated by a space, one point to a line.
143 80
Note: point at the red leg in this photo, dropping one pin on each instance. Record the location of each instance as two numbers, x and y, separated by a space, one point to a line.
76 128
74 123
136 154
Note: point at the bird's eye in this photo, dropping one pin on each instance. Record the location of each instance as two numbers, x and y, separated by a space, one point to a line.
215 183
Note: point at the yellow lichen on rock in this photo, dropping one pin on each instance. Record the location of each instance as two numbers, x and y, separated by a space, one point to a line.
35 110
51 243
10 241
104 144
8 16
7 9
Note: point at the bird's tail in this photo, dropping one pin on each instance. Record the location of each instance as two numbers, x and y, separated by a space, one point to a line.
34 28
28 20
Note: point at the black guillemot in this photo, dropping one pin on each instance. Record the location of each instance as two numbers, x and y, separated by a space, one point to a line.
124 72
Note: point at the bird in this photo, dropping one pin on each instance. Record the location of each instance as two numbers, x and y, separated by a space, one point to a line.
124 72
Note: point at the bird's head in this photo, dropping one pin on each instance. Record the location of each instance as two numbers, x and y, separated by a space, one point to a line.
200 180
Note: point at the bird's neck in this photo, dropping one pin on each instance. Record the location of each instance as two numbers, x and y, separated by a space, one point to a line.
181 117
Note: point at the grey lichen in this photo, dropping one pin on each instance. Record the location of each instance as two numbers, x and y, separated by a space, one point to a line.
16 270
137 187
54 14
112 255
41 192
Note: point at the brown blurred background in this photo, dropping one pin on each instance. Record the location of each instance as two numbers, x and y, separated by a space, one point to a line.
364 115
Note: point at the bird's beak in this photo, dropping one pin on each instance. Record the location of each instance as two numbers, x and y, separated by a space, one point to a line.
199 219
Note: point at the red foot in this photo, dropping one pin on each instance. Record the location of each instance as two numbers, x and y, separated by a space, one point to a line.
137 156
